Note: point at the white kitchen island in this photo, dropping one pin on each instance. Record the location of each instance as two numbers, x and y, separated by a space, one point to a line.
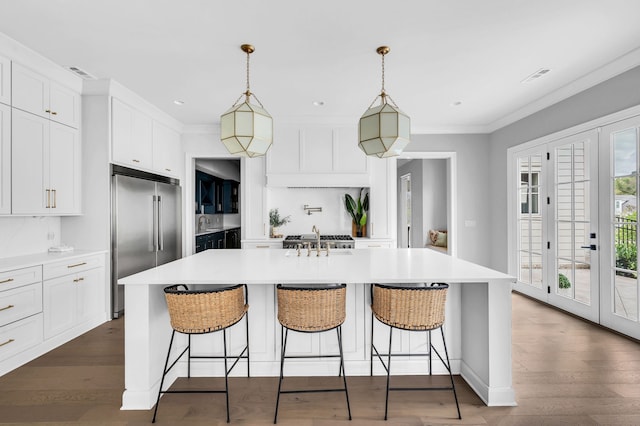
477 326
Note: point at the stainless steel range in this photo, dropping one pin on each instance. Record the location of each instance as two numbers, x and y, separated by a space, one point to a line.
336 241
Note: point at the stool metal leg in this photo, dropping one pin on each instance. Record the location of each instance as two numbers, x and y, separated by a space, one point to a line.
164 372
226 372
386 401
283 346
247 331
455 395
189 356
371 348
429 346
344 375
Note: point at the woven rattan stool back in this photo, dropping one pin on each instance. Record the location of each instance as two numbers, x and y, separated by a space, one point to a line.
410 308
311 309
205 311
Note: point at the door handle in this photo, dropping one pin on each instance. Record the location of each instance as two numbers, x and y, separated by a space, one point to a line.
590 247
154 237
160 233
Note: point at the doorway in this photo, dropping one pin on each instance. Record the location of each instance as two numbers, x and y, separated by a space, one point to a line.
425 195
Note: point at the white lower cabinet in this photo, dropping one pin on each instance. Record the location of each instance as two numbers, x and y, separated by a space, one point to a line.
373 243
262 244
20 336
71 299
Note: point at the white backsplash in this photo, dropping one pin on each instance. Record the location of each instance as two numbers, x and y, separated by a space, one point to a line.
28 235
333 219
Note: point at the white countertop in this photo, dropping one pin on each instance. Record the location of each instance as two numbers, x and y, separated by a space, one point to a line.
258 266
17 262
215 230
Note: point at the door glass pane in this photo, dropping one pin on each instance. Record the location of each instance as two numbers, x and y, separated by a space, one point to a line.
563 201
624 224
625 296
563 164
529 224
625 158
536 236
581 203
582 280
524 270
536 270
565 282
525 237
564 240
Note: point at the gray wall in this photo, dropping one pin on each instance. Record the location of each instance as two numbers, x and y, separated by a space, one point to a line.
417 230
473 198
616 94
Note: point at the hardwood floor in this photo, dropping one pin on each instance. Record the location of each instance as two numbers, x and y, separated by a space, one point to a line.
565 372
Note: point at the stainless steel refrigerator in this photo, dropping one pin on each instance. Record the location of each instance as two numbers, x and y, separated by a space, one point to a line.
146 226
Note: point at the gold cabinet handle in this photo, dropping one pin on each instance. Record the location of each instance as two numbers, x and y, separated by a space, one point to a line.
262 246
7 342
7 307
48 198
77 264
54 113
48 111
168 169
8 280
77 280
55 198
135 161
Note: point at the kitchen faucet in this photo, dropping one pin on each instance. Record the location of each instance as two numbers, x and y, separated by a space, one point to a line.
318 249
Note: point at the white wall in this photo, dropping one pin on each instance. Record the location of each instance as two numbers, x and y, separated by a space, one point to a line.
417 201
615 94
333 219
28 235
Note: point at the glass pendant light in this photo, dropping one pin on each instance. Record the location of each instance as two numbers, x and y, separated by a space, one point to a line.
246 129
384 129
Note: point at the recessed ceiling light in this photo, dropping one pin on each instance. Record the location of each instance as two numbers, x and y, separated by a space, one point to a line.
536 75
178 102
456 103
318 103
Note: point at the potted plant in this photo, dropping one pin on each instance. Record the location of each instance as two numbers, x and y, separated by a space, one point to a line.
276 221
358 211
563 281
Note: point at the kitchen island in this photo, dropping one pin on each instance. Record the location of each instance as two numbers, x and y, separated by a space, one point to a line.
477 326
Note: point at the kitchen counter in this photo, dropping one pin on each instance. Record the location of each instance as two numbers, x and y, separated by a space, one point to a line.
477 328
215 230
25 261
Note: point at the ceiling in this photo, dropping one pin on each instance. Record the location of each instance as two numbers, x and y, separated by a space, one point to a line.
475 53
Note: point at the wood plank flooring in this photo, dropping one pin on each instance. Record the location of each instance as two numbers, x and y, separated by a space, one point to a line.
565 372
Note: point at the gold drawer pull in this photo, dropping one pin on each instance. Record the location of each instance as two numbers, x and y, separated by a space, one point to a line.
78 280
135 161
7 307
262 246
48 111
54 113
8 280
77 264
7 342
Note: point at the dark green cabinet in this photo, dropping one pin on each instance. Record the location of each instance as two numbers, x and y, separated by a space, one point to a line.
214 195
229 239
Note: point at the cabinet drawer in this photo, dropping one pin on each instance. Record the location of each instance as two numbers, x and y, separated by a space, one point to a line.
20 303
20 335
20 277
72 266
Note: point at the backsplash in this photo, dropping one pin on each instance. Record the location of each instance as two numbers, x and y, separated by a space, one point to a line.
333 219
28 235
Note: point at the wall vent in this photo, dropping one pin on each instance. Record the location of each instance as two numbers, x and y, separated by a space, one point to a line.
81 73
536 75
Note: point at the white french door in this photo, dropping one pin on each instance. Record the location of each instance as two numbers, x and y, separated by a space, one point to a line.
557 223
620 144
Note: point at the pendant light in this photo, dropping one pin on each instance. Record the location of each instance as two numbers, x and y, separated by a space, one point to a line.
384 129
246 129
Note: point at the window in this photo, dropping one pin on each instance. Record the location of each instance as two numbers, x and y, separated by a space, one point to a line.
530 193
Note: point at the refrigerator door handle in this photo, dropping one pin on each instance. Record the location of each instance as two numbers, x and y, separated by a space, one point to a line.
154 237
160 228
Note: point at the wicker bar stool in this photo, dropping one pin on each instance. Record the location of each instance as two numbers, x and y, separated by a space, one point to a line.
202 312
412 308
311 309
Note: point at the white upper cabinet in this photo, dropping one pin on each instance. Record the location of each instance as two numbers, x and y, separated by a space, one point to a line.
5 159
5 80
317 156
166 150
141 142
37 94
132 136
45 172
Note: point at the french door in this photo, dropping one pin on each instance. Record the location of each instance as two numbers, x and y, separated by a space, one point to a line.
620 144
557 223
